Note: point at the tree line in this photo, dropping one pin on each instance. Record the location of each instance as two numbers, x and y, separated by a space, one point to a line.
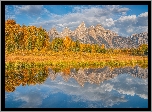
32 38
24 37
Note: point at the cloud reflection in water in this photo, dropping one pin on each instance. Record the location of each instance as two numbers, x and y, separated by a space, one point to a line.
113 91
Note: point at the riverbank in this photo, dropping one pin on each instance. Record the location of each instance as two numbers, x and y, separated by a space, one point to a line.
79 59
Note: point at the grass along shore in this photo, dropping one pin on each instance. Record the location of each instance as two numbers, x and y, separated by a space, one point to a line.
74 60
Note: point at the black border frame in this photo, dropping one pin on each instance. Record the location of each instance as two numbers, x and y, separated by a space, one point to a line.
3 3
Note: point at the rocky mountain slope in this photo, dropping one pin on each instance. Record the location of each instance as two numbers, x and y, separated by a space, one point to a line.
98 35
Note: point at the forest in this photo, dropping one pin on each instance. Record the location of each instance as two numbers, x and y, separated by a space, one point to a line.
32 44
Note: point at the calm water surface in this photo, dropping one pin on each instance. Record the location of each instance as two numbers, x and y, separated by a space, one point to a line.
83 88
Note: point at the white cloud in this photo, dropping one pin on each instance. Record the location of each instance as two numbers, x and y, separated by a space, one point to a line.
113 17
131 86
97 15
10 16
130 30
131 24
28 9
109 22
72 20
145 14
130 18
116 8
142 19
32 99
144 96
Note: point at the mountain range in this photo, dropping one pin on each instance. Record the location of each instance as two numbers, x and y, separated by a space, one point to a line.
99 35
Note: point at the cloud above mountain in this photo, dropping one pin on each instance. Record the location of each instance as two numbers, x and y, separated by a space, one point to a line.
124 20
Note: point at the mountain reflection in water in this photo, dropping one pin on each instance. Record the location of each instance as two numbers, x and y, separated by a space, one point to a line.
99 75
121 87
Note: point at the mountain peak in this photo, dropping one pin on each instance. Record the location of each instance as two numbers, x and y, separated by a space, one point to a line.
82 24
100 35
91 26
53 29
99 27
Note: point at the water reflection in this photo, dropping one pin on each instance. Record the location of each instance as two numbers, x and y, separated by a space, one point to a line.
24 77
99 75
102 87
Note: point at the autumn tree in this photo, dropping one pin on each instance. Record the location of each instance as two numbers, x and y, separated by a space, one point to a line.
87 48
24 37
102 50
143 49
98 48
75 46
57 44
67 43
93 48
82 47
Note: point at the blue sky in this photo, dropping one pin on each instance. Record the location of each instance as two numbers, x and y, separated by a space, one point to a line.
122 19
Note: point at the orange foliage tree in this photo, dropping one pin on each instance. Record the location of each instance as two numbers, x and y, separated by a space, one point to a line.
24 37
67 43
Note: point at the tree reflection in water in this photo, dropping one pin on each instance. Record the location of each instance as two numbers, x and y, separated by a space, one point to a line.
32 76
24 77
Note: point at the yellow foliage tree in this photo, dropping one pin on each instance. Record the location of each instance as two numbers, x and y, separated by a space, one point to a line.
67 43
24 37
82 46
